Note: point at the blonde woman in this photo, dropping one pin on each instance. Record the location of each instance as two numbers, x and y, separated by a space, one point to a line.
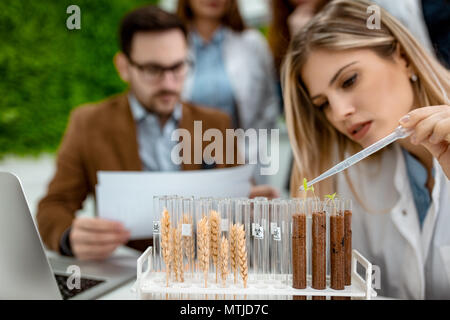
345 87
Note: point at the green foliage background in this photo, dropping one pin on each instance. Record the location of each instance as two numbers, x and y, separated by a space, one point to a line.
46 69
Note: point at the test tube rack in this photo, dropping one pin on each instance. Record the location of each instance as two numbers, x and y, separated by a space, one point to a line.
150 283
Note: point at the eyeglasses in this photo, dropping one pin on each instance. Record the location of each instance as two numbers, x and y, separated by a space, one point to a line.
152 72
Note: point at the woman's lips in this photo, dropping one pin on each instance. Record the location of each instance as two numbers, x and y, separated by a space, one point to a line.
358 131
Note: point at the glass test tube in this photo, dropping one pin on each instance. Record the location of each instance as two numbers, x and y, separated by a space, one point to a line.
188 238
347 203
260 230
225 212
277 239
318 243
202 207
243 217
337 231
299 257
156 231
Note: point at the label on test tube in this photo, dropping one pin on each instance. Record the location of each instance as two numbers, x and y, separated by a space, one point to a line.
277 234
259 232
273 225
186 229
254 227
156 227
224 225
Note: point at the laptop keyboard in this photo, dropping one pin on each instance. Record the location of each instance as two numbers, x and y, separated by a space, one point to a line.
85 283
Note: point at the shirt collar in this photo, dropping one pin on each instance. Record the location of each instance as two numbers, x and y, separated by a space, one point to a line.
416 169
140 113
216 39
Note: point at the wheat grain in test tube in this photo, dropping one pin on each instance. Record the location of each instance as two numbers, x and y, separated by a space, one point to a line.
188 236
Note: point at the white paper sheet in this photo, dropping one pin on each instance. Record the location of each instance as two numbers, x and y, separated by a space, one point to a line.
127 196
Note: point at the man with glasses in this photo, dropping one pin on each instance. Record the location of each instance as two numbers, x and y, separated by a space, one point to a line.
129 131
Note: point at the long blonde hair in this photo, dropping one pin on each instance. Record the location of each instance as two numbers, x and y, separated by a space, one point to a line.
342 25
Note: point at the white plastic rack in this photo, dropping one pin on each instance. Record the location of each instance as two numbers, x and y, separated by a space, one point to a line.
151 283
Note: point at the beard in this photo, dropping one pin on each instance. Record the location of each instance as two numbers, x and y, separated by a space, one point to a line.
157 104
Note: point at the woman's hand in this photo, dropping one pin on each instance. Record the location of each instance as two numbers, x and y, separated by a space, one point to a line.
431 127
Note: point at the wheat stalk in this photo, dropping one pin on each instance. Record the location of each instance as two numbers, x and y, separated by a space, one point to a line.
242 254
177 254
233 252
214 225
203 247
224 258
188 242
165 242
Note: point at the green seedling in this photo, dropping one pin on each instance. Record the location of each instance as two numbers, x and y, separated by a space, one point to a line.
332 198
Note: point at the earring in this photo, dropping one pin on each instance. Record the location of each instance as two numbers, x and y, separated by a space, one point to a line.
413 77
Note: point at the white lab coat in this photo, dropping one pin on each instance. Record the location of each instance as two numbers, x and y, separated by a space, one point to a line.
414 263
249 65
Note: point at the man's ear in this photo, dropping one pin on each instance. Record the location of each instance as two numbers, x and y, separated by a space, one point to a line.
121 64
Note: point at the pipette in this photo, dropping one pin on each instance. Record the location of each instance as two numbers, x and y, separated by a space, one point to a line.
399 133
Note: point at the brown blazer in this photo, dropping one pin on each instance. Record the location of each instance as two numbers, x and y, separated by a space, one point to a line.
103 137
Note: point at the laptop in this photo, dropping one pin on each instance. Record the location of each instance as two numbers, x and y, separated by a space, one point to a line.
25 270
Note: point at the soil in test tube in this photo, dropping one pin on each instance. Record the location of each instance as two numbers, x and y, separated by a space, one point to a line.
299 253
337 252
319 276
348 247
347 252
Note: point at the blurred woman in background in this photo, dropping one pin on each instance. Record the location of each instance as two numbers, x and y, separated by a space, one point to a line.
289 16
345 87
233 68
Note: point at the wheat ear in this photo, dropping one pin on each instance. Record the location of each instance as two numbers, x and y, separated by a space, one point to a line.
242 255
214 225
178 253
224 258
203 247
165 242
188 242
233 252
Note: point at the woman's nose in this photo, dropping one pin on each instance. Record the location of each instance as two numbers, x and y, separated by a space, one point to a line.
342 109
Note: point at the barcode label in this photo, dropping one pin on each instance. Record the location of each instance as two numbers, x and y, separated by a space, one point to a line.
273 226
277 234
224 225
186 230
156 227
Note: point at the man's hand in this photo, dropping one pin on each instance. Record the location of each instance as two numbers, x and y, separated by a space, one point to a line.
264 191
95 238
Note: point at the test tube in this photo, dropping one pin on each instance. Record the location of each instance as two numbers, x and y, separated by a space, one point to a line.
299 257
156 231
318 250
243 217
260 229
202 209
348 241
166 207
188 238
278 259
337 233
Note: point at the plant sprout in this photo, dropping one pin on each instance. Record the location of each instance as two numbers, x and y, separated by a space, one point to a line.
331 197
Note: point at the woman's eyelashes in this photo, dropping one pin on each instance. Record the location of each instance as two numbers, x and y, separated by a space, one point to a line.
350 81
322 105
